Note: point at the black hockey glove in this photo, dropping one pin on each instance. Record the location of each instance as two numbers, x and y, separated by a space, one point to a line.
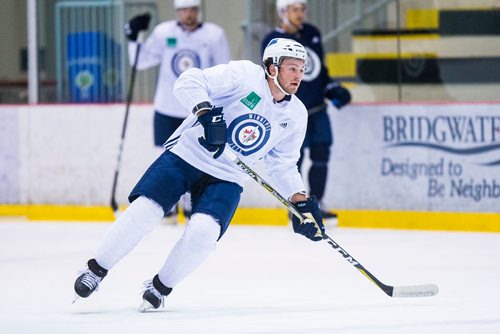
136 24
215 138
313 231
338 94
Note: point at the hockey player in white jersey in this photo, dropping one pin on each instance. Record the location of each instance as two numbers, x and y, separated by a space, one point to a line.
248 109
176 46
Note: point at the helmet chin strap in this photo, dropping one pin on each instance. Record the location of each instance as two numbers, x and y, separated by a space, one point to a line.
290 25
275 80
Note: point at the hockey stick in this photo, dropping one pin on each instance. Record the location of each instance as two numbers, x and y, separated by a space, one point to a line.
423 290
114 204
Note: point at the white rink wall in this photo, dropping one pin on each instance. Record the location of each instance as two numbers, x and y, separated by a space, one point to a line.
66 154
424 157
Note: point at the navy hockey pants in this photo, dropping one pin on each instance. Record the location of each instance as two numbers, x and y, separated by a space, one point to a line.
169 177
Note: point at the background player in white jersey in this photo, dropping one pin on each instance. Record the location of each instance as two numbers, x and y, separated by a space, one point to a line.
239 106
176 46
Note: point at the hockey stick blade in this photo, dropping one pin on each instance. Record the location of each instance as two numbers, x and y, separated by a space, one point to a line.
424 290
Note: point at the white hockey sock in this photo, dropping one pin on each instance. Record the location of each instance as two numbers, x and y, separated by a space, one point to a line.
197 242
140 218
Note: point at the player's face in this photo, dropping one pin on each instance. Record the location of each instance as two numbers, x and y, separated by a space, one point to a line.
296 14
290 74
188 17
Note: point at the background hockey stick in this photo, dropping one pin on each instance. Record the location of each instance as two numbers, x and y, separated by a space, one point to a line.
423 290
114 204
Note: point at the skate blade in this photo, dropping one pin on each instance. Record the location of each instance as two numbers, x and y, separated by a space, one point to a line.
145 306
75 298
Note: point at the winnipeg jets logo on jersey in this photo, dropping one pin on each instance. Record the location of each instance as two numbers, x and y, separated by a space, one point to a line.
248 133
184 60
313 65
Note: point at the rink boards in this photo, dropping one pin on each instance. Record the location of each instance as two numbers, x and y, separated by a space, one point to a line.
417 166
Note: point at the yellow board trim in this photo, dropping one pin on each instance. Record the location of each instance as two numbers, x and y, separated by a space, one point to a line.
341 64
244 216
396 36
422 18
404 55
58 212
416 220
408 220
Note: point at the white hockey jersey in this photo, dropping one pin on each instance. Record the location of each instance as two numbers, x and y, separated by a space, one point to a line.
258 126
177 50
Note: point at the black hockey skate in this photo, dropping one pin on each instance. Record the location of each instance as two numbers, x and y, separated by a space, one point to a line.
89 279
328 214
187 215
153 295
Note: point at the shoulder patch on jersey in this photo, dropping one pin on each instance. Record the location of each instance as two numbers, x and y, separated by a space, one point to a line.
171 42
251 100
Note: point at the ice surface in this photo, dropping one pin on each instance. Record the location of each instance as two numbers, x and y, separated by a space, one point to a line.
259 280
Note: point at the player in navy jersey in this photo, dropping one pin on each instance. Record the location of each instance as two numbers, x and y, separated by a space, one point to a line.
316 87
243 107
176 46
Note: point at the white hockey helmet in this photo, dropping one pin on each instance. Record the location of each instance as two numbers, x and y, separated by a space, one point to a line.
282 6
178 4
278 48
